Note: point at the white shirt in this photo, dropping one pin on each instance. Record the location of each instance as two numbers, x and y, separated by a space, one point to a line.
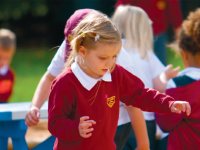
87 81
145 69
57 64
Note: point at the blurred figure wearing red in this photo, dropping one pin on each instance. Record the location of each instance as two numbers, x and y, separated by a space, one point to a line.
184 130
163 13
7 50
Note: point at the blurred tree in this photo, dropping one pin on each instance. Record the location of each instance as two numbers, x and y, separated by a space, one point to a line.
16 9
42 22
23 17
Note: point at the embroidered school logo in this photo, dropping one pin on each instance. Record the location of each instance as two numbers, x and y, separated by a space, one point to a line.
111 101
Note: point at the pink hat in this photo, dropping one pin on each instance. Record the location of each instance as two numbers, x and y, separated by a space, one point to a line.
71 23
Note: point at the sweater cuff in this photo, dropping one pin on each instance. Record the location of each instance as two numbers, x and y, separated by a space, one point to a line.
170 104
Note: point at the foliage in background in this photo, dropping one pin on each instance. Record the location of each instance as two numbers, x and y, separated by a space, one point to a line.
42 22
29 66
174 58
16 9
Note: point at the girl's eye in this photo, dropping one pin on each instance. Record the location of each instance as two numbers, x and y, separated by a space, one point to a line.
102 58
115 56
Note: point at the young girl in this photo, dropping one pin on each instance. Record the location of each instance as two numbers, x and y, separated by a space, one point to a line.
56 67
84 99
138 58
184 131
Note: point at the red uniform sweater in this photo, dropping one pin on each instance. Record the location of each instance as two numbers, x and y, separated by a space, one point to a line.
69 101
184 131
163 13
6 86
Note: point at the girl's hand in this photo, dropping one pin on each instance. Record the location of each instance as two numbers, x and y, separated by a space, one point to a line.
32 116
169 73
85 127
181 106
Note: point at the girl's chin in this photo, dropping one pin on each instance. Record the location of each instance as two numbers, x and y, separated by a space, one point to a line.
97 76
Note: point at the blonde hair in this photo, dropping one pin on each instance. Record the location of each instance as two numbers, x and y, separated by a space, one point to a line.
95 28
135 26
7 39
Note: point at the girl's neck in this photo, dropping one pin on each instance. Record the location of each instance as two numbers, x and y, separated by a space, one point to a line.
194 61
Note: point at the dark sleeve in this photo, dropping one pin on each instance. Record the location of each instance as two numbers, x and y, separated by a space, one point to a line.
60 112
133 92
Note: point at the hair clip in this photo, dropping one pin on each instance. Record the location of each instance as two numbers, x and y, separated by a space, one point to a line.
82 34
96 38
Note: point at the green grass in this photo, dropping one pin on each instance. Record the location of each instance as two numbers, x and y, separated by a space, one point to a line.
29 66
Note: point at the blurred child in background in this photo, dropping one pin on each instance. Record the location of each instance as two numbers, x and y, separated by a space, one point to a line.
138 58
160 12
7 77
184 131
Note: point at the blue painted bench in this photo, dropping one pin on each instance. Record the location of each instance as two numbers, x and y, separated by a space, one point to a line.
12 125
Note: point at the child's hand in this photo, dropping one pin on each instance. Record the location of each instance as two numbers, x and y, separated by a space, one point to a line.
181 106
169 73
32 116
85 127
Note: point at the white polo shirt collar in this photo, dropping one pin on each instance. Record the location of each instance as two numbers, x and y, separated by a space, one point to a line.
87 81
191 72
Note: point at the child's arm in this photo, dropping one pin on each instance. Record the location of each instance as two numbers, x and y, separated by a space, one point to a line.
133 92
40 96
42 91
63 118
139 127
152 100
161 80
85 127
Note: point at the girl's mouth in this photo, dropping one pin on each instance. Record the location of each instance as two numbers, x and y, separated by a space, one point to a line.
104 70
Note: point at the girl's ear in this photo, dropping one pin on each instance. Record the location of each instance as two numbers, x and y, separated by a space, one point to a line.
82 51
